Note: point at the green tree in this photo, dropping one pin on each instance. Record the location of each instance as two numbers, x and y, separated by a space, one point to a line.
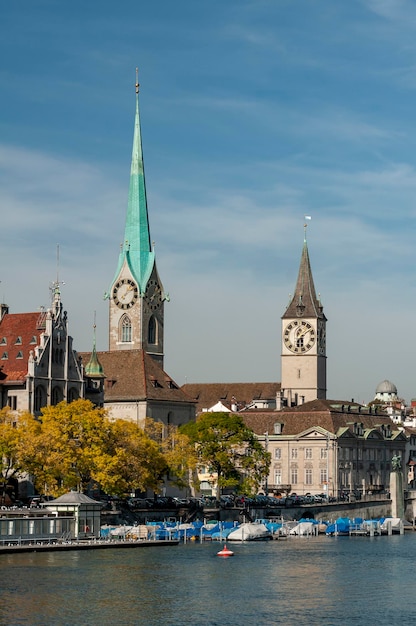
75 443
224 443
136 461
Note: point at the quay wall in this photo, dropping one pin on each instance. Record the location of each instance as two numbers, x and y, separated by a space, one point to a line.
371 509
324 512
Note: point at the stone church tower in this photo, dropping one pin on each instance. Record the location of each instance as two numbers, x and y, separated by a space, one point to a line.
136 293
303 359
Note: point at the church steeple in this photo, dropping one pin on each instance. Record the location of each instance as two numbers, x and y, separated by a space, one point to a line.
304 302
136 251
136 294
303 357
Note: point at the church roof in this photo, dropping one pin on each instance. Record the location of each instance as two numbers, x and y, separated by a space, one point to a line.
19 334
304 302
133 375
208 394
136 250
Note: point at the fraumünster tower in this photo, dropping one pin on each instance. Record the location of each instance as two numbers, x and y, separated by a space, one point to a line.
136 293
303 359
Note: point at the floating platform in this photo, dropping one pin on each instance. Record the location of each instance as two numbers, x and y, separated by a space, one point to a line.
84 545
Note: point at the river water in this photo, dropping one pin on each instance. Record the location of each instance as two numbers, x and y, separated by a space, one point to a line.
300 581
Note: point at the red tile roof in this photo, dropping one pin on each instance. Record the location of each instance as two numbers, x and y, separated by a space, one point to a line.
332 415
208 394
19 334
134 375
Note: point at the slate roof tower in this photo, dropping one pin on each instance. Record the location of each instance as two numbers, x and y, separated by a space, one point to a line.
303 357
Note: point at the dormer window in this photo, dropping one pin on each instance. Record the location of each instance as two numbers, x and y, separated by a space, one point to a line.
18 341
19 355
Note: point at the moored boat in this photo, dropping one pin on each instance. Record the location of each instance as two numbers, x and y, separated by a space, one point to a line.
250 531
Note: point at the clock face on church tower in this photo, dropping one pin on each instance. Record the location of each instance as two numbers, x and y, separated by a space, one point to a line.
299 336
153 295
125 293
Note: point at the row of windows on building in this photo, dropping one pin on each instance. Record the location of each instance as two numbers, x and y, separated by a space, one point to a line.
308 453
308 476
18 342
368 454
5 355
57 356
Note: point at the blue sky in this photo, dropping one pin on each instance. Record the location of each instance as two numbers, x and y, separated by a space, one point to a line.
254 113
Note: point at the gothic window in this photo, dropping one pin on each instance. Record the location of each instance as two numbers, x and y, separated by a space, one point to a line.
125 329
18 341
57 395
4 356
19 355
3 341
40 398
152 332
72 395
33 340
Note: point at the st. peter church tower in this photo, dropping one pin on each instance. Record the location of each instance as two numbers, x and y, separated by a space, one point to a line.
303 359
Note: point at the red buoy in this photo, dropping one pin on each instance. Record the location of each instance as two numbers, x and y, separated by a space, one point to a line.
225 552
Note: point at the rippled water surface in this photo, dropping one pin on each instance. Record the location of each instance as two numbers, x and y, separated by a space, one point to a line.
303 581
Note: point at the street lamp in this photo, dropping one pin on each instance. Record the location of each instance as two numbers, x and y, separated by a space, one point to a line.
266 447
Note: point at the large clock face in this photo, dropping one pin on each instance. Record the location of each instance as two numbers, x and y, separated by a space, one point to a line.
299 336
125 293
153 294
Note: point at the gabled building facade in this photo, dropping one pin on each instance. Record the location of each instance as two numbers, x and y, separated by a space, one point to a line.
38 365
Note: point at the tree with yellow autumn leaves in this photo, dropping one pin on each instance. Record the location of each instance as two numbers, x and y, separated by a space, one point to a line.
74 444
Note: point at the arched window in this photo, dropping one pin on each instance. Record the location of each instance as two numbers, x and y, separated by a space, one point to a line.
152 331
125 329
73 395
57 396
40 398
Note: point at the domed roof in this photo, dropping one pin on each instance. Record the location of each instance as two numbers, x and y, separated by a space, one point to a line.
386 387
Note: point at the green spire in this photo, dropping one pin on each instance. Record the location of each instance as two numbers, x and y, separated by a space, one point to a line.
136 250
93 368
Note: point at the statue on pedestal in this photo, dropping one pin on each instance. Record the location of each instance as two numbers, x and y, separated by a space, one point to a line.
396 463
